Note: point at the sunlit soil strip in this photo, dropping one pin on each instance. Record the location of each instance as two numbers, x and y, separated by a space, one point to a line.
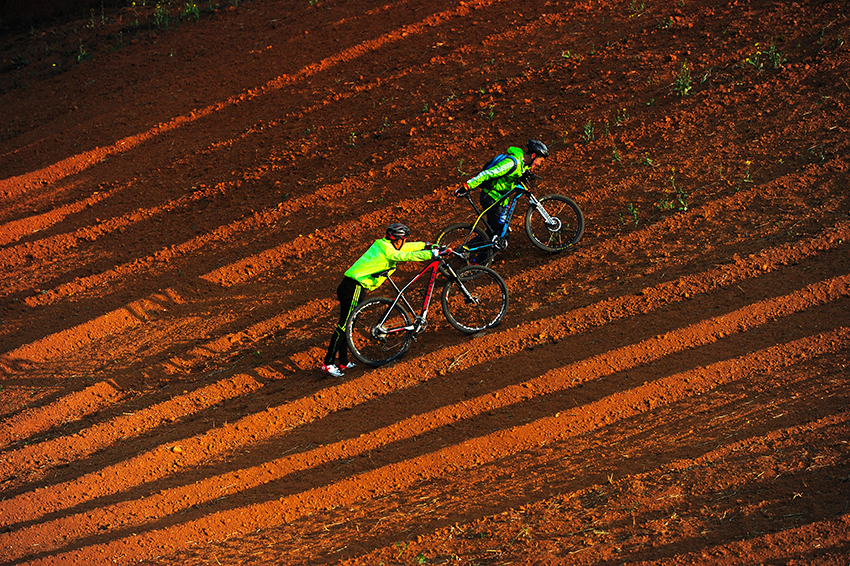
77 163
246 268
17 229
215 348
70 339
620 404
60 244
98 437
69 408
136 313
450 460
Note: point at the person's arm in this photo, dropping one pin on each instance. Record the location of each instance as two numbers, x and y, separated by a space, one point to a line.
501 168
411 251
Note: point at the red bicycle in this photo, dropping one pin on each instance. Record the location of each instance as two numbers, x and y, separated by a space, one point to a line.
381 329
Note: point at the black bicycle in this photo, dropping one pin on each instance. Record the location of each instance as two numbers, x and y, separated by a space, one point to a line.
381 329
553 223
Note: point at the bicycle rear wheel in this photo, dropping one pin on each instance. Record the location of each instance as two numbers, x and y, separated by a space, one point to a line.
379 332
476 300
472 245
565 229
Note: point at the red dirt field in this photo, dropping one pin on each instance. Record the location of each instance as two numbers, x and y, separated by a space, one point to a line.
180 196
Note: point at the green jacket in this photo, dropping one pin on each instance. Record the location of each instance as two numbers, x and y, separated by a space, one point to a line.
503 183
382 255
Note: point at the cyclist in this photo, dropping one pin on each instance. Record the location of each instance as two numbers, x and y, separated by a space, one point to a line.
501 177
385 253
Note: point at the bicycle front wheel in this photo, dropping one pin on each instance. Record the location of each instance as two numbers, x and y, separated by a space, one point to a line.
564 227
379 332
476 300
472 245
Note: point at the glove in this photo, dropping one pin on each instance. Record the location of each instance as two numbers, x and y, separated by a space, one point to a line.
463 191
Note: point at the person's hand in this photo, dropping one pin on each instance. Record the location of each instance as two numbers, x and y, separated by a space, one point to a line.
462 191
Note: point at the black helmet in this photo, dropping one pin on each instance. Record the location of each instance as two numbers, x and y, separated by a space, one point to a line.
396 231
538 147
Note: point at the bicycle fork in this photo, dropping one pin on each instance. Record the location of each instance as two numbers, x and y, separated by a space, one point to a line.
553 223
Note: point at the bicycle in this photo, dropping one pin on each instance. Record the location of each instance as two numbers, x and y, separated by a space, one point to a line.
381 329
552 223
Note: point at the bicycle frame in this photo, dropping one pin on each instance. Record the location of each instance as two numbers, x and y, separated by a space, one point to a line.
511 199
420 321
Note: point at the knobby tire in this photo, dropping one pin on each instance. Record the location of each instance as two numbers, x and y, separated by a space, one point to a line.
569 229
369 342
484 308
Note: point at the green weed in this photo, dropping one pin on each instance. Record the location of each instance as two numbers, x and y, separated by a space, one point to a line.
82 54
588 132
162 14
771 57
460 168
747 177
621 117
678 200
19 61
682 83
191 10
633 212
352 139
615 156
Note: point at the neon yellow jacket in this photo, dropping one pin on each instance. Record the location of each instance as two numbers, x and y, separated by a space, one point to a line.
382 255
505 174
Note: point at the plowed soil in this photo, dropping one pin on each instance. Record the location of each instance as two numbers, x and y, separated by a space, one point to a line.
181 191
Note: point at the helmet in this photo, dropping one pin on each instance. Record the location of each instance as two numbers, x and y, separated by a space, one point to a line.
396 231
538 147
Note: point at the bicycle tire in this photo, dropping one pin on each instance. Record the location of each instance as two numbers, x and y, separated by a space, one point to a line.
568 229
456 236
489 299
366 340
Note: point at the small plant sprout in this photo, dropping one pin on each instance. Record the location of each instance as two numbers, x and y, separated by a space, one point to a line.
621 117
775 58
682 83
82 54
679 199
191 10
615 155
162 14
460 168
633 212
352 139
588 132
747 178
759 59
401 548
